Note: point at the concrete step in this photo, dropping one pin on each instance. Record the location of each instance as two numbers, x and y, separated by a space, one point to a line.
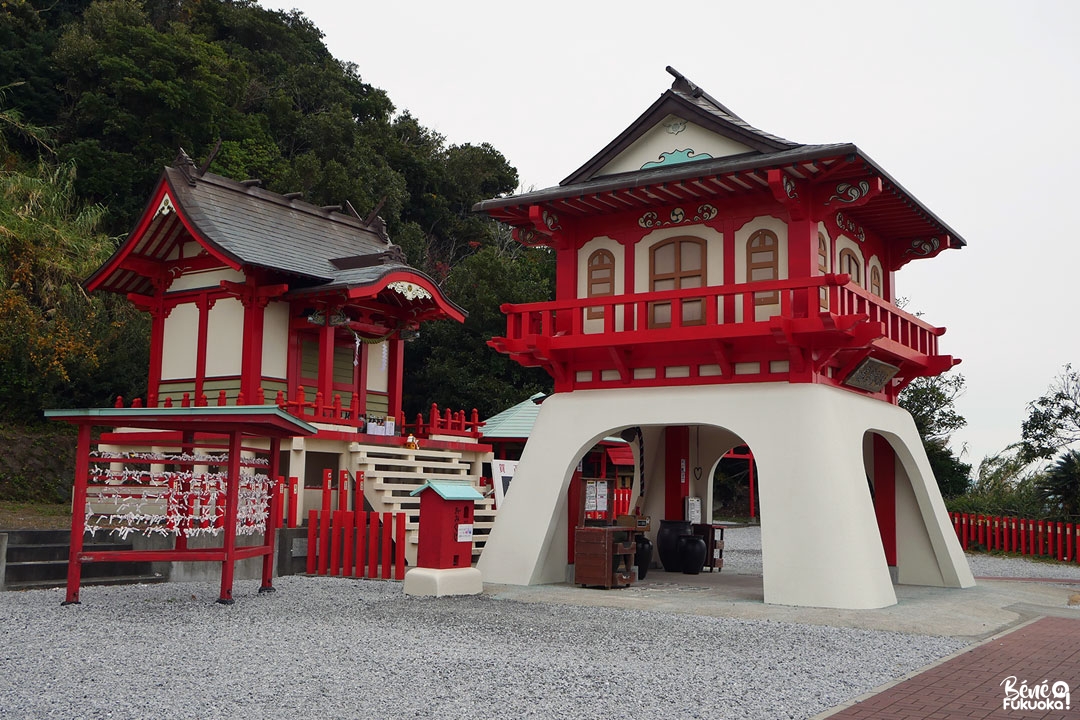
110 580
55 551
53 570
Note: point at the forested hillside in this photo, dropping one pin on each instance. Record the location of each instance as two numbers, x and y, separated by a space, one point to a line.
98 96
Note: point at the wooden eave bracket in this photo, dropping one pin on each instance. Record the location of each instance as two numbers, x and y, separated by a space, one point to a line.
789 192
919 248
849 193
546 228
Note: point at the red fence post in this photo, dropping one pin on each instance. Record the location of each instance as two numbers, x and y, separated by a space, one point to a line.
1042 537
312 546
358 493
965 529
399 554
387 530
347 544
294 495
335 542
324 541
1012 545
361 528
343 490
327 481
1060 545
373 544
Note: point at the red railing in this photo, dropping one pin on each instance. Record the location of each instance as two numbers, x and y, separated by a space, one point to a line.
446 423
1045 538
714 310
318 409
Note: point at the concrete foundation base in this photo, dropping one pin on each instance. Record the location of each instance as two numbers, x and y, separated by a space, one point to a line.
820 539
447 581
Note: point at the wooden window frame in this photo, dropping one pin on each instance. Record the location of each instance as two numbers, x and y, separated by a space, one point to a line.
875 280
852 261
773 296
678 276
823 267
597 313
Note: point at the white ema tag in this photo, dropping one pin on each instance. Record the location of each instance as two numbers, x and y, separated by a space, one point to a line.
464 533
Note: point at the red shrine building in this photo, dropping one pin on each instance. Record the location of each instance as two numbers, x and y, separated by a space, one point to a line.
720 286
262 299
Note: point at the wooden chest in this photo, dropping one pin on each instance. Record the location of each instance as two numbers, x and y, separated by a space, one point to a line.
604 556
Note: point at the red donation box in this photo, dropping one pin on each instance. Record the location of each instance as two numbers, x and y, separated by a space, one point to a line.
446 524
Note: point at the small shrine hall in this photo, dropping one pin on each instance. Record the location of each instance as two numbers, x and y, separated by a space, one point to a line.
719 286
277 338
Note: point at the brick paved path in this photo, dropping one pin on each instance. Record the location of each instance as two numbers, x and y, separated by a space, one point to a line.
969 686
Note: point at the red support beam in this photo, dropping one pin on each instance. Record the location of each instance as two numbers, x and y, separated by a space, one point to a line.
232 490
78 516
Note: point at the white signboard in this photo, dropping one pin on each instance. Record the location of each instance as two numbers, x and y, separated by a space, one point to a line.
590 496
601 496
502 472
464 533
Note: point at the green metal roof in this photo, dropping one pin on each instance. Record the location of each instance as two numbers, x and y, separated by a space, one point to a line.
259 420
450 490
514 422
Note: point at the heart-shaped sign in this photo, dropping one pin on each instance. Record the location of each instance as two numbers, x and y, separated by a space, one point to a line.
697 473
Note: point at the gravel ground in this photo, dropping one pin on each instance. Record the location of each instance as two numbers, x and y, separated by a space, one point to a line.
332 648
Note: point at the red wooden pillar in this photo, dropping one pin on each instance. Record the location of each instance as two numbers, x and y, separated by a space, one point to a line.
885 495
326 359
395 374
78 516
273 521
157 346
676 467
232 498
205 304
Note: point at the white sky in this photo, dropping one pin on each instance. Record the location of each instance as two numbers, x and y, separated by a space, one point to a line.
971 106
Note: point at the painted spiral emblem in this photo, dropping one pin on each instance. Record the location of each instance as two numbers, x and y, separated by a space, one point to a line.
677 215
849 193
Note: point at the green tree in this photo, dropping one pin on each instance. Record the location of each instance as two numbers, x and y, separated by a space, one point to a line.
61 348
1059 487
932 404
1053 420
451 364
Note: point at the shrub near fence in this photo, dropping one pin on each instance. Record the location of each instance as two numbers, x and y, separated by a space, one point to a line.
1040 538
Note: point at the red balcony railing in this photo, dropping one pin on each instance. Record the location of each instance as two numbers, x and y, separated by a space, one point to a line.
716 311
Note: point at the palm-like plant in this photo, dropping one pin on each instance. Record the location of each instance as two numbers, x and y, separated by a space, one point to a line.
1059 487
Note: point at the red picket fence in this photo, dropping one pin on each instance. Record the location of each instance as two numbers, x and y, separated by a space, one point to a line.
1044 538
356 544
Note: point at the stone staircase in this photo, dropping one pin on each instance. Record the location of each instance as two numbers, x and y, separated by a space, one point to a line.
392 473
39 559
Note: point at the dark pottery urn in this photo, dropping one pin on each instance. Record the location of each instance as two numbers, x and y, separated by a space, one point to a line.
643 556
692 553
667 540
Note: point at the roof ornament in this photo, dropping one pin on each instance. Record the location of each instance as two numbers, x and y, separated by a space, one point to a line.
185 165
683 85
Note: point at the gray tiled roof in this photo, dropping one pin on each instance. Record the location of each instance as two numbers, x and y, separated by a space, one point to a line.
265 229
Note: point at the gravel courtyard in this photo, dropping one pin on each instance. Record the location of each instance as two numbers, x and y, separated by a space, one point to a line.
339 648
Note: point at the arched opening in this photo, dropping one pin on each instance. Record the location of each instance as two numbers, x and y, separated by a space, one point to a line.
647 477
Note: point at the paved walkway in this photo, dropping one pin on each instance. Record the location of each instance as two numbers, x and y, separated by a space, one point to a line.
969 685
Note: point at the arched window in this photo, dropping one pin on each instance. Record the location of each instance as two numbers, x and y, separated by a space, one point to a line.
875 280
823 267
763 263
675 264
601 280
851 264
